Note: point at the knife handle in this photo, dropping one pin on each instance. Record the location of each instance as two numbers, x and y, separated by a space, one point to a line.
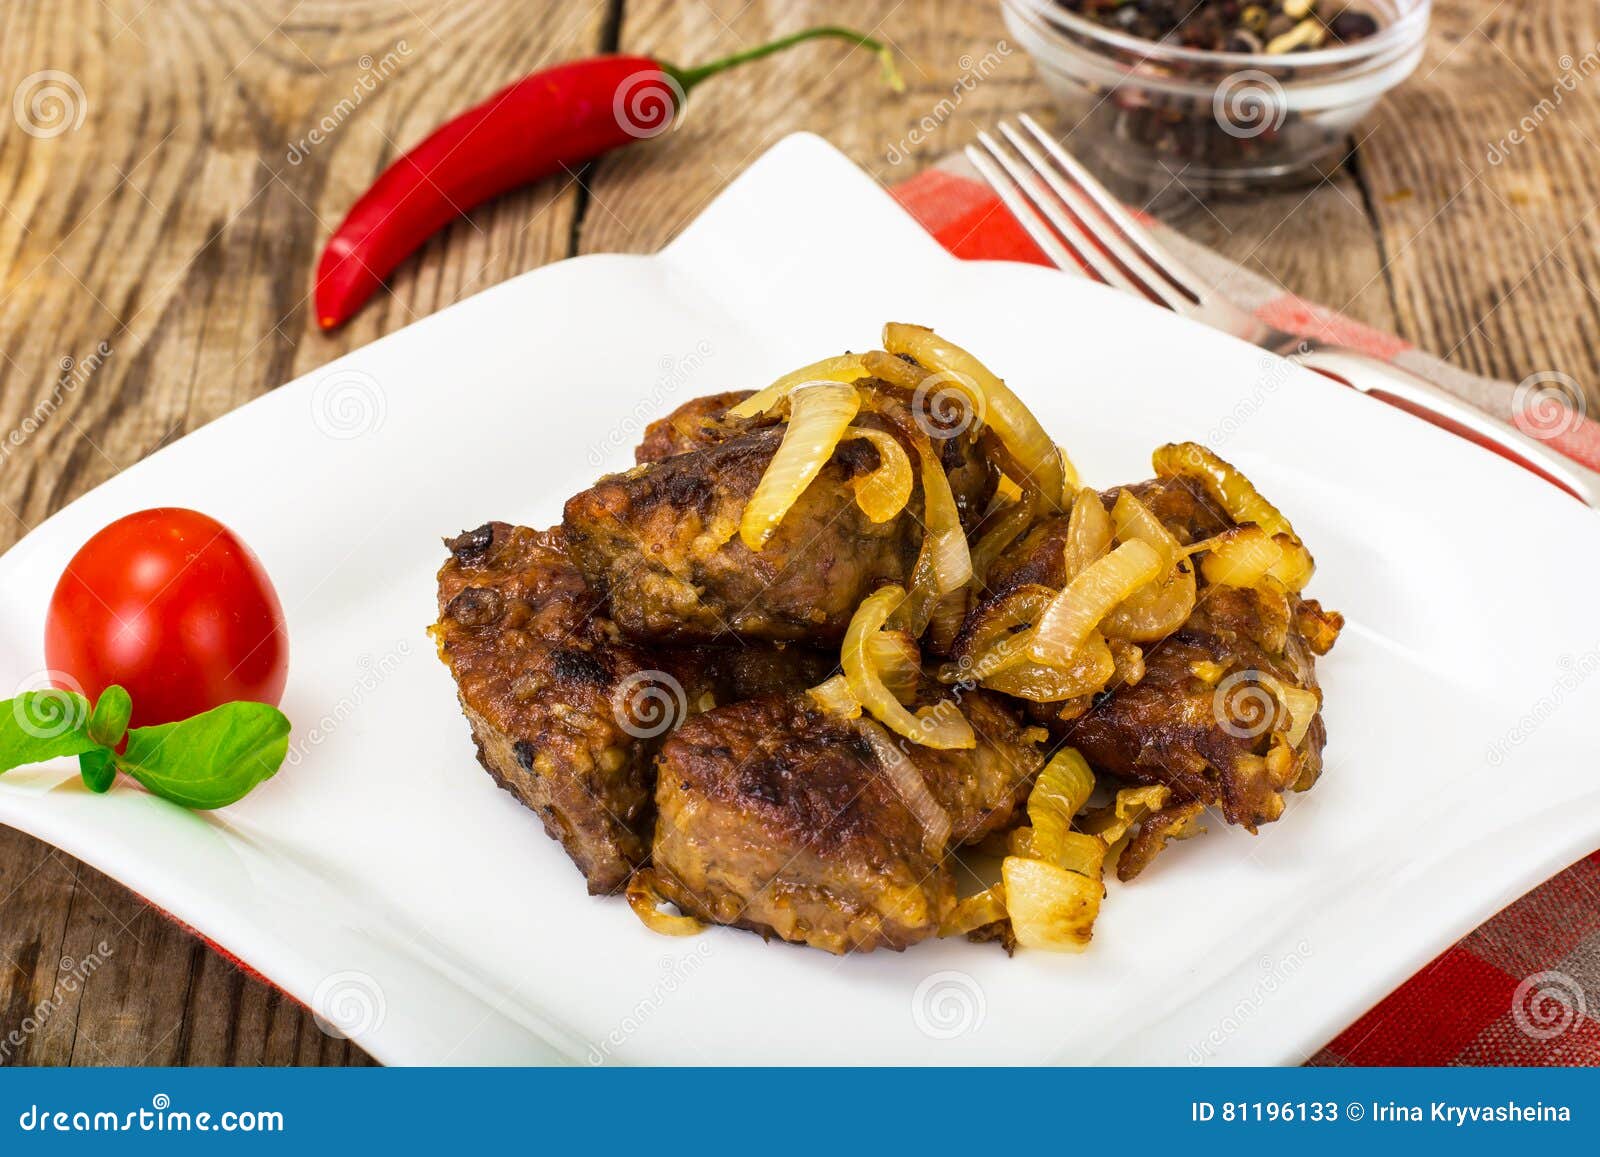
1423 399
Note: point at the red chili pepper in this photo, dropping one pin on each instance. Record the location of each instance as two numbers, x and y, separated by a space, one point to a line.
551 120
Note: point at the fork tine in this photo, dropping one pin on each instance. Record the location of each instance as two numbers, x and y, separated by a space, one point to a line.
1179 275
1013 200
1089 256
1085 223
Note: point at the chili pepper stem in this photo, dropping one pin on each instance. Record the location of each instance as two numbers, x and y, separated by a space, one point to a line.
687 78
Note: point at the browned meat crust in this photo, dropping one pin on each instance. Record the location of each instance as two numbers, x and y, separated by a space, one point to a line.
1176 822
1038 556
746 670
693 425
1183 508
973 478
1181 724
702 422
536 669
1200 720
981 789
778 817
663 541
566 715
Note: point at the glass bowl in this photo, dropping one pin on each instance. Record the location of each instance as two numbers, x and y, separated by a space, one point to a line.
1147 115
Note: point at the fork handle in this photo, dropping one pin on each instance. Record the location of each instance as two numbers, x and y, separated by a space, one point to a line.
1423 399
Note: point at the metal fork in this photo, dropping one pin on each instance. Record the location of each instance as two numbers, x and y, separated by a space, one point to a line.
1081 226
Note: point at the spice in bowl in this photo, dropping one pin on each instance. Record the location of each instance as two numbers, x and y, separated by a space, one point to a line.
1248 26
1169 97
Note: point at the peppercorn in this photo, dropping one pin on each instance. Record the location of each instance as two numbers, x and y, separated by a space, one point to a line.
1230 25
1351 25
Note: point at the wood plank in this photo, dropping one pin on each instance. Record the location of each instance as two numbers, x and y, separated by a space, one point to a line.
1494 262
179 225
36 891
644 195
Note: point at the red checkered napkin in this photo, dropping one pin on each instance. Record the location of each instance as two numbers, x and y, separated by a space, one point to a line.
1515 991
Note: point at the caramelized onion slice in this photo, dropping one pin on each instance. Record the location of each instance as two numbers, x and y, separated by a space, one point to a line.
994 640
952 561
1296 566
910 787
996 652
844 368
993 402
974 912
1052 879
1060 792
1237 495
645 899
949 613
1092 667
1071 479
820 412
944 563
1301 706
1128 662
1089 532
1134 520
1050 906
1005 528
1241 557
835 697
941 725
1086 600
1153 612
1112 822
898 372
898 661
883 493
915 613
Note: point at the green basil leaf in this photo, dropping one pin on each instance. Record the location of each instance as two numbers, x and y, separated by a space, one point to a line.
109 722
41 725
98 768
211 760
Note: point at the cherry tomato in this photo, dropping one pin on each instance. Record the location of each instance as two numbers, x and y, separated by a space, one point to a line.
172 605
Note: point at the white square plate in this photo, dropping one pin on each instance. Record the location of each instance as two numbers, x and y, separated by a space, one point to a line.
384 879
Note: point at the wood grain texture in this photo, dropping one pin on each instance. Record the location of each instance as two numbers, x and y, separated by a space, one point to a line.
179 223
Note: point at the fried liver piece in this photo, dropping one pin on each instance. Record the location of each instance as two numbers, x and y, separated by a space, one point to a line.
1038 557
780 818
692 426
537 670
661 540
982 789
1181 724
746 670
1199 720
566 715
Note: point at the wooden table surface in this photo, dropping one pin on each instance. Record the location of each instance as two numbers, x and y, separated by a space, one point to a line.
179 219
